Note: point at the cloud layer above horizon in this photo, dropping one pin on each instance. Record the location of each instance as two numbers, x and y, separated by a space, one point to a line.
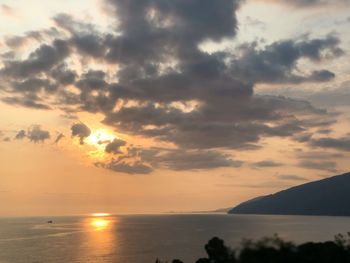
149 77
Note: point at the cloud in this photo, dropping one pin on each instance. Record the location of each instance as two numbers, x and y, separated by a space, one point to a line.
240 127
324 97
21 41
330 97
164 28
20 135
179 160
254 22
81 131
277 62
303 137
162 158
28 101
40 60
59 137
318 160
291 177
319 155
3 137
36 134
342 144
114 146
267 164
154 81
310 3
122 167
7 10
267 184
63 75
328 166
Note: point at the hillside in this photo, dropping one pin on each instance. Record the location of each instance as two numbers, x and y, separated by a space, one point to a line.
329 196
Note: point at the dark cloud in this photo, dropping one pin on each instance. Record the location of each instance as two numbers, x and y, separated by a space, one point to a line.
32 85
319 155
267 184
81 131
3 137
40 60
180 160
59 137
114 146
324 131
303 137
84 36
129 168
325 97
277 62
165 28
20 135
7 10
37 36
311 3
318 160
63 75
36 134
71 25
322 76
161 158
342 144
328 166
6 139
331 97
27 101
240 126
267 164
291 177
161 85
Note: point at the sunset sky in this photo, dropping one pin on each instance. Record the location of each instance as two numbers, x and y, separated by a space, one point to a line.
148 106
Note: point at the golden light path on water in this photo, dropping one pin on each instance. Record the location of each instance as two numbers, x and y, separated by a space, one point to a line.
101 239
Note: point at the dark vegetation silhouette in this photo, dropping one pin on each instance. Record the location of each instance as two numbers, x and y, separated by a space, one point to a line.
276 250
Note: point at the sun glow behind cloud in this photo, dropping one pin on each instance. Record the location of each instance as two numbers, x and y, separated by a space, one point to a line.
100 137
97 141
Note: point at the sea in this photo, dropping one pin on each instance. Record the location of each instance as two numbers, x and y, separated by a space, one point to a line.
144 238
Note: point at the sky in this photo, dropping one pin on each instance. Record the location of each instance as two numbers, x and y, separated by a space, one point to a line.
151 106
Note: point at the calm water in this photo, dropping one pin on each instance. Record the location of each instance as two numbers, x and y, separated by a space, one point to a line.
141 239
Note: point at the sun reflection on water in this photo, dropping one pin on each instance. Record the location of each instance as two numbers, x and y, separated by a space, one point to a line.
101 235
100 221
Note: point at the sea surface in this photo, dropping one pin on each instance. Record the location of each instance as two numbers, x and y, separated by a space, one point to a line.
144 238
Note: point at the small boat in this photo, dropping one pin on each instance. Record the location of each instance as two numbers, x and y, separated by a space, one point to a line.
50 222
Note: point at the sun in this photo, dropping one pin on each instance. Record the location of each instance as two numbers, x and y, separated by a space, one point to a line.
100 137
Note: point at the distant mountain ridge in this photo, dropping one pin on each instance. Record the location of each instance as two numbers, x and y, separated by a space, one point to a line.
329 197
217 211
